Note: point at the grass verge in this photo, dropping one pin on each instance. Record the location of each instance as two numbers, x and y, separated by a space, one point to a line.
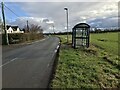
94 67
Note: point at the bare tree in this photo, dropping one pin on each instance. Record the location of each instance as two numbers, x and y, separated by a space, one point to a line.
33 29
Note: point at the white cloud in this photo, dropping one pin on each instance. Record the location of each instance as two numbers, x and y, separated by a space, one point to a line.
61 0
94 13
50 22
22 21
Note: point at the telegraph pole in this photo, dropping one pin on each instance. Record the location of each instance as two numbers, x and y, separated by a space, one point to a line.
4 25
27 26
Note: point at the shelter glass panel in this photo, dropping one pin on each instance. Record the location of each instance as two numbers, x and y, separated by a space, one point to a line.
80 35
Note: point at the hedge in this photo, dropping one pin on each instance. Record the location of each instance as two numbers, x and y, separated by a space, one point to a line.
22 37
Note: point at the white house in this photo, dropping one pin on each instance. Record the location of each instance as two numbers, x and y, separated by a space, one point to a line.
13 29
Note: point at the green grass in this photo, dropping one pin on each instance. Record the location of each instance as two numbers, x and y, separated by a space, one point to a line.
107 41
64 38
95 67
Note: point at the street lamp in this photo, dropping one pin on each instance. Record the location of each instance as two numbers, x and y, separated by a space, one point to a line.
66 9
53 29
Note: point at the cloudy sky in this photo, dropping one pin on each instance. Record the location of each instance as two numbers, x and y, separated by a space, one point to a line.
97 14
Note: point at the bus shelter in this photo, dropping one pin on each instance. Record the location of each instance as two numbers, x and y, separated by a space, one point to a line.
81 35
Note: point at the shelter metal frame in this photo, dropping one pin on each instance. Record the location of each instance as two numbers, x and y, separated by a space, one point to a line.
81 35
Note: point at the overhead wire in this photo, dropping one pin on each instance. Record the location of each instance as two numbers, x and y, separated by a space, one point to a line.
11 11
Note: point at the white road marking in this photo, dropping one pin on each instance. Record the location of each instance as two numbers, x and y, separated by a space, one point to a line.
57 46
8 62
55 50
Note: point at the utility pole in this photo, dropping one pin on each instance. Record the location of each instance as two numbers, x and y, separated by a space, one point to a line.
27 26
53 29
4 25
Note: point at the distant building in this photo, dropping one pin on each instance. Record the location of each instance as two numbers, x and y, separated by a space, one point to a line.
13 29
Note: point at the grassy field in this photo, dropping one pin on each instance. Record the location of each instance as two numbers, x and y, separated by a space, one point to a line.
107 41
94 67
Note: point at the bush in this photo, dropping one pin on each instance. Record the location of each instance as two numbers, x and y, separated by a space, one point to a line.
22 37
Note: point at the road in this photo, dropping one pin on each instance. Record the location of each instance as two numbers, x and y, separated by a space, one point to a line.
29 66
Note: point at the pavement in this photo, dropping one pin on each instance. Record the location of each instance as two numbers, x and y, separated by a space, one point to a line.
29 66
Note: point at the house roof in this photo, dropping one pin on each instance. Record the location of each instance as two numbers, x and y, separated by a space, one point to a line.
8 26
13 27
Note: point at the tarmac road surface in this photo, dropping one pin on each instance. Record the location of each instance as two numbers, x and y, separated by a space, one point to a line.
29 66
